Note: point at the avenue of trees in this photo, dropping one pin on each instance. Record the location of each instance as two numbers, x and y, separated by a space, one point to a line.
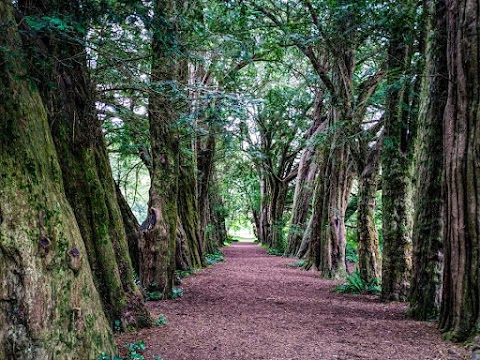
133 134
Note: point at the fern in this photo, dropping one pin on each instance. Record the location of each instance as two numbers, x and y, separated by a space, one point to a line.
355 285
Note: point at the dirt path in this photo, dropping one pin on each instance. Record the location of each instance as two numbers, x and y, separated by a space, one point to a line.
253 307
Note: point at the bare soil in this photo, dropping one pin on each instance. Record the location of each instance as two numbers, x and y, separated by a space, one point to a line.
255 307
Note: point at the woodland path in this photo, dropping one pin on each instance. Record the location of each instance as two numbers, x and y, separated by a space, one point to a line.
254 307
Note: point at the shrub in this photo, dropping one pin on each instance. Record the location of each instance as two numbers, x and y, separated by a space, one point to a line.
162 320
297 264
177 293
213 258
275 252
355 285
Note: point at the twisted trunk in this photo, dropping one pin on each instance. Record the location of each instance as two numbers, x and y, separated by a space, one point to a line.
301 201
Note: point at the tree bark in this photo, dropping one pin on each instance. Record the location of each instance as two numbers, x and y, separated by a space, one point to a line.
425 293
49 306
132 229
158 243
86 171
459 315
369 257
396 169
189 216
302 201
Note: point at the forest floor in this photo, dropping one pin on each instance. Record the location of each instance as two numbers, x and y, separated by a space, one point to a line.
255 307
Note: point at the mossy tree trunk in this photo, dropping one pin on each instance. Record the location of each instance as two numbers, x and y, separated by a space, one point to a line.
205 163
158 243
460 312
304 187
397 162
302 200
426 283
189 220
86 171
132 228
369 257
49 306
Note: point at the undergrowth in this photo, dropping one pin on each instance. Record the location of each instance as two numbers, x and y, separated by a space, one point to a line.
275 252
297 264
135 352
213 258
162 320
355 285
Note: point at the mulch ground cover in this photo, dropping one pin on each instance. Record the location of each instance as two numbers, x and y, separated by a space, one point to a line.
254 307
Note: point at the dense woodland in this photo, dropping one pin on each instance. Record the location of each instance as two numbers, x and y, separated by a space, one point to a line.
134 134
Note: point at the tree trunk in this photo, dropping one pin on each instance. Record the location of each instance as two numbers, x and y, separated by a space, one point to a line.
205 161
427 238
369 258
301 201
459 316
86 171
132 228
277 206
189 216
158 243
49 306
396 171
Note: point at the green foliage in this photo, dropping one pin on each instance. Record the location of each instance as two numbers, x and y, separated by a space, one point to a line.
184 273
154 295
177 293
275 252
117 326
162 320
355 285
135 351
351 251
297 264
216 256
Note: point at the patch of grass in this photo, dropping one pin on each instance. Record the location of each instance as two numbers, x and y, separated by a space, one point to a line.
162 320
297 264
355 285
216 256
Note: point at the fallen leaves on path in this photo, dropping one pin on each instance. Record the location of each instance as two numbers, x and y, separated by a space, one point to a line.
253 307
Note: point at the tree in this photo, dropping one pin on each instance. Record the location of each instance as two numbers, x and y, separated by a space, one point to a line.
158 243
426 283
67 92
397 155
459 309
50 306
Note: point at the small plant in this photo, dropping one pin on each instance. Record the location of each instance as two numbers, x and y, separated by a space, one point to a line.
297 264
177 293
275 252
117 326
355 285
135 351
184 273
154 295
162 320
213 258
